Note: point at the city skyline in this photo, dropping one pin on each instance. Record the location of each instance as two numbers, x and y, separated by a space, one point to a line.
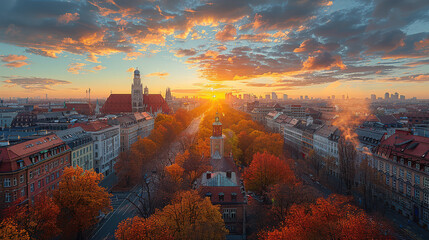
315 48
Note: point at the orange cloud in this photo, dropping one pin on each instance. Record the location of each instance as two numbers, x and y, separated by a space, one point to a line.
260 37
14 61
76 68
99 67
130 70
68 17
161 75
227 34
323 61
132 55
92 58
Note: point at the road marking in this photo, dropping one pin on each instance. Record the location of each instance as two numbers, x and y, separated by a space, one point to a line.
111 215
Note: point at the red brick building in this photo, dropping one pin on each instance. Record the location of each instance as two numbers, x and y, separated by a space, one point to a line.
31 167
121 103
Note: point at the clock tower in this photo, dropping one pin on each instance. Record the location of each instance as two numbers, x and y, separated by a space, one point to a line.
137 93
217 140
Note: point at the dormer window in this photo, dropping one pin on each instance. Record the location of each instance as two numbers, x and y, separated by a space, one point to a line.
234 197
221 197
417 166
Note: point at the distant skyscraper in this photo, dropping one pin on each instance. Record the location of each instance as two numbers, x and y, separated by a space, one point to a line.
267 96
300 97
386 96
396 96
373 97
333 97
306 97
285 96
402 97
274 96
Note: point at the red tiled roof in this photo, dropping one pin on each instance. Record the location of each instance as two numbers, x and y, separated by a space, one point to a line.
121 103
9 155
93 126
81 108
227 191
401 143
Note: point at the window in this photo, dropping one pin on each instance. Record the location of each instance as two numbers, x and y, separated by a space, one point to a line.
417 194
426 198
229 214
417 166
394 183
401 186
74 155
46 167
408 190
426 214
426 182
31 174
23 192
21 178
39 184
32 187
401 173
394 170
15 182
6 182
409 163
221 197
387 180
417 179
7 197
408 176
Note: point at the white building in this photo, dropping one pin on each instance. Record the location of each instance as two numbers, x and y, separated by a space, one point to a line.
106 144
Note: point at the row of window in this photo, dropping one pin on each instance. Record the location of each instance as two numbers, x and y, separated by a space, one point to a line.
7 182
82 151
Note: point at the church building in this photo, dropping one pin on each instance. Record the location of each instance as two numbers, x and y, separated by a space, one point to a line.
223 185
137 101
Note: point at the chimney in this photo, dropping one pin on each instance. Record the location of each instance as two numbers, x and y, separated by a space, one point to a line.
228 174
209 175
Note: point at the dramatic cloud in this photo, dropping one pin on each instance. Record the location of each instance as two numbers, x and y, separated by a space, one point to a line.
132 55
323 61
185 52
68 17
14 61
33 83
227 34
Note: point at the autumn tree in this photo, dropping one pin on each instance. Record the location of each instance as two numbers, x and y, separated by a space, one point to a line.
331 218
9 230
80 199
38 219
139 228
347 164
189 216
265 171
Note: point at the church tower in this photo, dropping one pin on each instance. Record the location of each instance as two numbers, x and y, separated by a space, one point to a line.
217 140
137 93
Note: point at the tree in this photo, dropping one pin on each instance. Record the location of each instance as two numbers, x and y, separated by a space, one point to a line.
9 230
38 219
347 164
142 228
80 199
314 162
265 171
176 172
189 216
331 218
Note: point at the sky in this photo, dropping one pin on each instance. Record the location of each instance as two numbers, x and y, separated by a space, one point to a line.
203 48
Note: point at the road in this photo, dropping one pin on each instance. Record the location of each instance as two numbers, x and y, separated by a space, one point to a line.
123 208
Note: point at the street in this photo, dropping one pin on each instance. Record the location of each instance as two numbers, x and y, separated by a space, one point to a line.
123 208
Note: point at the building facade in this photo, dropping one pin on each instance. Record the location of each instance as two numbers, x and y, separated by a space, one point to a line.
137 93
81 144
402 161
30 168
106 144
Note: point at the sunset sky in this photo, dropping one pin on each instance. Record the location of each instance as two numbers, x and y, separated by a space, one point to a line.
298 47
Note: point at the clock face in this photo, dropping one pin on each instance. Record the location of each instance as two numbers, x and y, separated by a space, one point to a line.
217 119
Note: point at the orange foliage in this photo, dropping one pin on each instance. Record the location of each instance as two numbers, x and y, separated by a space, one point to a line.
189 216
142 228
332 218
38 219
265 171
9 230
176 172
80 199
